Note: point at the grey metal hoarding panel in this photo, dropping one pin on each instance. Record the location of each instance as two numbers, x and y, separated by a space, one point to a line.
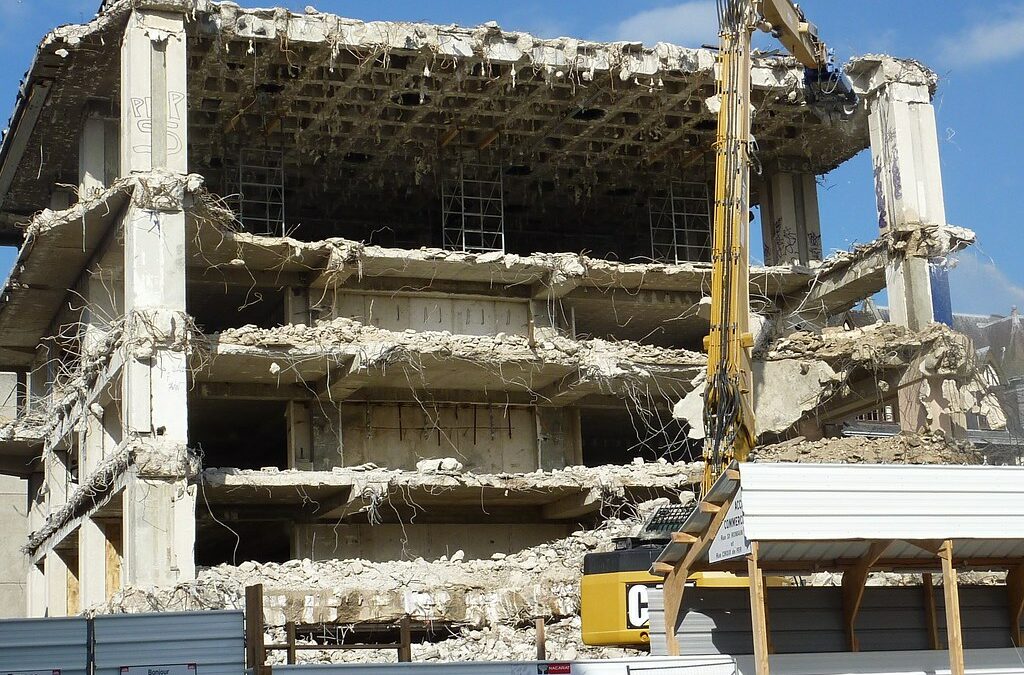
214 641
44 644
717 620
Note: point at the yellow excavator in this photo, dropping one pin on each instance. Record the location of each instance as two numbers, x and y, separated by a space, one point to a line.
615 584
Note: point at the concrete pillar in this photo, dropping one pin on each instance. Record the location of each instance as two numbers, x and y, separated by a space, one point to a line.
92 559
158 524
92 541
908 193
296 305
790 223
36 586
97 155
550 318
300 435
35 592
159 531
57 574
559 441
153 92
907 173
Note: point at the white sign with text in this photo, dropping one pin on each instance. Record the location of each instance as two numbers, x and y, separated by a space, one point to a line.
731 540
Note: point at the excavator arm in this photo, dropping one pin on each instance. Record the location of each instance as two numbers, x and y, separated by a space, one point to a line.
728 399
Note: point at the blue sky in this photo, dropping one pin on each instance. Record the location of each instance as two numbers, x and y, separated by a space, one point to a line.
976 48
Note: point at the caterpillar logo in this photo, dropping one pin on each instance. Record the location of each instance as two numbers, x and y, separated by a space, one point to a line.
638 611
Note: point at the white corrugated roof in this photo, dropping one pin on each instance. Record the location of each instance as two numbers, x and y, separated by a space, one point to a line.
825 515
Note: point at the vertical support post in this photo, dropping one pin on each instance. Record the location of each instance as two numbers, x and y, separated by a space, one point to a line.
159 504
97 155
296 305
950 589
790 220
405 651
290 631
1015 590
675 584
931 616
758 615
255 651
542 647
300 435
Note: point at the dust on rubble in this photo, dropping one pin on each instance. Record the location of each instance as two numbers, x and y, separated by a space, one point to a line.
928 448
490 606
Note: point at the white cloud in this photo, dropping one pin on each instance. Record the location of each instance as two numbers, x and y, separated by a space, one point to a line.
689 24
998 38
978 286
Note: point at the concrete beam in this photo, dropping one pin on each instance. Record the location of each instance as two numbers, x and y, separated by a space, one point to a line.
574 506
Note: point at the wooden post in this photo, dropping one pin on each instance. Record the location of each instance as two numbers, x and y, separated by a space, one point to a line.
542 648
673 588
290 630
854 580
1015 588
405 651
931 617
675 577
758 622
255 652
952 595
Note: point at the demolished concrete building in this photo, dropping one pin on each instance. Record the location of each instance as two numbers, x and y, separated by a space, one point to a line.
294 286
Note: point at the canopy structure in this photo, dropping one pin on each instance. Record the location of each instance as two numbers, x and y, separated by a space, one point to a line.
853 519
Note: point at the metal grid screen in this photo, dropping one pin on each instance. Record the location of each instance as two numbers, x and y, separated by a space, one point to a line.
681 223
257 190
472 209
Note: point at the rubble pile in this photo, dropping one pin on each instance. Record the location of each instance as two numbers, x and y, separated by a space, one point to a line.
508 590
489 643
880 345
928 448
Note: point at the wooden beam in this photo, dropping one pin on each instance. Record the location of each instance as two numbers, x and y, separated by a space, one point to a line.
708 507
931 617
1015 589
675 580
951 591
662 569
684 538
672 594
853 590
758 620
933 546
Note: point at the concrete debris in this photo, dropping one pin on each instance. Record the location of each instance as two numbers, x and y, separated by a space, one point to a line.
509 590
376 346
899 449
610 484
440 465
489 643
880 345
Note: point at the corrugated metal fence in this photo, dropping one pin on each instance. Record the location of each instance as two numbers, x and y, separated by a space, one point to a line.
213 641
45 644
717 620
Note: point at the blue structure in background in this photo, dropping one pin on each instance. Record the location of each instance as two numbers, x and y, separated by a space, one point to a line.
942 303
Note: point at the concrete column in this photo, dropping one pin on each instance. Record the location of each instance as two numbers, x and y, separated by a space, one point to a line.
35 592
158 524
558 438
153 93
296 305
907 173
36 586
790 222
300 435
92 541
57 574
159 531
908 193
97 156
